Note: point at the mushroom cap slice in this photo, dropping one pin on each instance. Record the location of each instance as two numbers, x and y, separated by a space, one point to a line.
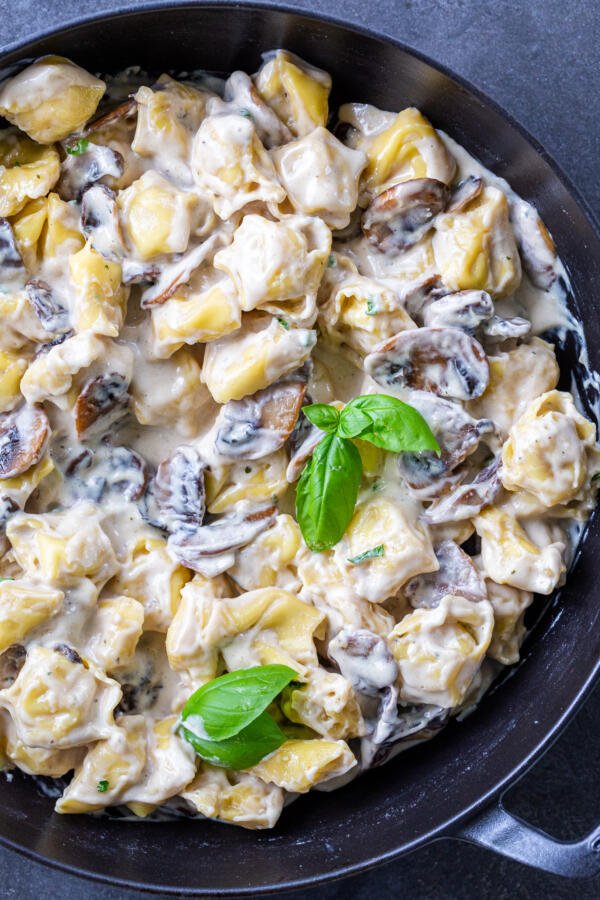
260 424
463 309
100 222
467 500
536 247
210 550
122 111
49 310
179 491
79 171
445 361
104 397
12 269
400 216
465 191
23 437
456 575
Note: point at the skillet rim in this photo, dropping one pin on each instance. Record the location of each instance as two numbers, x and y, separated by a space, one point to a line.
444 829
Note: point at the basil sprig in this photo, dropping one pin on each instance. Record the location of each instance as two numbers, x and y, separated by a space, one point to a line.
328 487
226 721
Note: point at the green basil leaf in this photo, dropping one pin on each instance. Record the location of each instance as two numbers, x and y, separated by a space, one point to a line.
373 553
353 422
226 705
78 147
327 492
244 749
395 426
323 416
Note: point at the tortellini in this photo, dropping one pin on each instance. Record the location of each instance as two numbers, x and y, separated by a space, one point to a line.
235 797
398 148
475 249
254 357
24 605
509 556
27 171
12 369
59 701
320 176
170 392
99 298
277 265
327 705
157 218
50 99
114 631
231 166
548 450
299 765
296 91
440 650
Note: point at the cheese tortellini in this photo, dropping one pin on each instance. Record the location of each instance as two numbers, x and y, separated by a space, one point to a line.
187 265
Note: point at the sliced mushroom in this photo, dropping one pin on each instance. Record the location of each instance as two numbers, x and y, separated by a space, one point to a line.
445 361
458 435
127 473
535 244
467 500
69 653
122 111
79 172
399 727
418 294
135 272
49 310
12 269
260 424
464 309
498 329
210 550
23 437
7 508
403 214
106 470
103 399
465 191
364 659
456 575
100 222
300 456
178 272
11 663
179 491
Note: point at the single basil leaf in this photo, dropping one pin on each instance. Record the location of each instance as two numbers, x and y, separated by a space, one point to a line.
224 706
323 416
244 749
368 554
353 422
396 426
327 491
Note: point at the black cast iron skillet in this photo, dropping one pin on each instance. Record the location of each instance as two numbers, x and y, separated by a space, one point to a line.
450 786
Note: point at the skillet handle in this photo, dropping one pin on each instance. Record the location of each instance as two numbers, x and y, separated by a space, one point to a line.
510 836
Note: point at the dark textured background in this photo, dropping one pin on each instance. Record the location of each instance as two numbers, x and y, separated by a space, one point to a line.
540 60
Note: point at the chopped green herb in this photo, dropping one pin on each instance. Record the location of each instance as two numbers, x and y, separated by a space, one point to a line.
247 469
332 261
17 164
368 554
596 476
102 786
7 579
245 113
284 323
371 306
78 147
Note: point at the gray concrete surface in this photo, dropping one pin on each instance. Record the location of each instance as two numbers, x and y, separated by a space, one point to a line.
541 61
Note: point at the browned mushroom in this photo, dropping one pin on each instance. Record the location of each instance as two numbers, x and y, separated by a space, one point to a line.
179 491
260 424
398 725
103 399
535 244
79 171
23 437
465 191
12 269
122 111
49 310
498 329
464 309
104 470
178 272
11 663
7 508
135 272
445 361
100 222
467 500
457 574
403 214
458 435
418 294
364 659
210 550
